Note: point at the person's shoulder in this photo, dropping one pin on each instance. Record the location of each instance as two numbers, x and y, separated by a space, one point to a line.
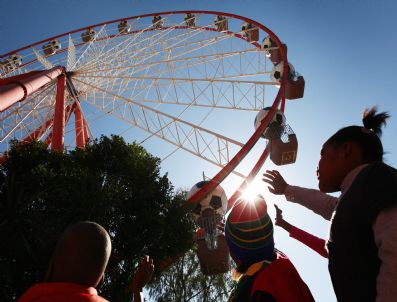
379 187
381 167
279 264
60 292
381 171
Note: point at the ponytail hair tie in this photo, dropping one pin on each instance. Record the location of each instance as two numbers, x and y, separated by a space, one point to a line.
373 121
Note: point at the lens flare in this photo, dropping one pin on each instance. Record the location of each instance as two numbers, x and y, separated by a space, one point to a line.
250 194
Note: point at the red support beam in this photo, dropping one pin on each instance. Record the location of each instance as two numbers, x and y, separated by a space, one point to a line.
85 125
68 113
79 126
58 131
16 89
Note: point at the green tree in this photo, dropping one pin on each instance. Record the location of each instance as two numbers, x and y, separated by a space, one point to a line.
183 281
113 183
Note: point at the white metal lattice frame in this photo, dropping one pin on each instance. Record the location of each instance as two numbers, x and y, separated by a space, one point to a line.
138 77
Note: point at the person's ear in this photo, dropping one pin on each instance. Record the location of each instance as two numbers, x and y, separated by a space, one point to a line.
351 151
348 149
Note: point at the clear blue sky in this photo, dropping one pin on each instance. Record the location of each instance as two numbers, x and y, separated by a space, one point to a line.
345 50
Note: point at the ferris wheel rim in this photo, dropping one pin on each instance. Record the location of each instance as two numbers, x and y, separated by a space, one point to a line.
236 35
234 16
231 165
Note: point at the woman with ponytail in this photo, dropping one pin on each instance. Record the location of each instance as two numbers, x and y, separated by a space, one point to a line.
362 244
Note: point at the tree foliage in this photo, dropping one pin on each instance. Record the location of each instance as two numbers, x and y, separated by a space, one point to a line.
110 182
184 282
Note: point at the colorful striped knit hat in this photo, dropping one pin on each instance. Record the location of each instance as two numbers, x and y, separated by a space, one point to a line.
249 231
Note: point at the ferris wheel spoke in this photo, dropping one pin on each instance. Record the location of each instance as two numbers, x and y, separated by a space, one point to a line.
92 48
71 56
220 93
26 112
126 56
135 79
188 61
140 45
26 105
171 42
27 127
47 64
214 73
192 48
214 80
19 117
171 129
45 127
37 119
165 48
114 52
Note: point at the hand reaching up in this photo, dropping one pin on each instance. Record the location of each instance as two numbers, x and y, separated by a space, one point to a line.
279 215
279 221
276 182
143 275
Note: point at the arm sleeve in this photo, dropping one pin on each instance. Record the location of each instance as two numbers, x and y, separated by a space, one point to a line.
315 243
385 233
315 200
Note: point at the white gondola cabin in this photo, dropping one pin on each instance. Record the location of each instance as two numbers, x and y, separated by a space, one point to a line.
88 35
221 23
157 22
11 63
124 27
51 47
250 32
190 19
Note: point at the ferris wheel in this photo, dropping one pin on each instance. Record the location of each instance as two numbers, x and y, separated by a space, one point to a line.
153 72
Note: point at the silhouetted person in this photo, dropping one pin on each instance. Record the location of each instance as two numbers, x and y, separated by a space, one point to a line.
78 265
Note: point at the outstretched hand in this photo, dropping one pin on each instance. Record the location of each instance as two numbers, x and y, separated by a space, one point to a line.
279 221
279 216
143 275
276 182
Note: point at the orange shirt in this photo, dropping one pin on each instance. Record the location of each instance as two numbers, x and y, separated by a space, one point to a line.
60 292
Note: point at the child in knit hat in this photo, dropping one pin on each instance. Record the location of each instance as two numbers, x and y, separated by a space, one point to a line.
263 273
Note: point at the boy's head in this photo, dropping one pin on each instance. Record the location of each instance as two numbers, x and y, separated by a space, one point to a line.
249 232
81 255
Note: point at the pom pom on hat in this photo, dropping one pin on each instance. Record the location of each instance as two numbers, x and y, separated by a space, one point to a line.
249 231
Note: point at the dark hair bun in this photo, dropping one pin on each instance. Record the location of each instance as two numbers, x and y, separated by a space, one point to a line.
374 121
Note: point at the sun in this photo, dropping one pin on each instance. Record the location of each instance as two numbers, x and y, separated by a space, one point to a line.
252 191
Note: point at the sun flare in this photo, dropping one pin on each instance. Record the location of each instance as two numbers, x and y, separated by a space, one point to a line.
251 192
